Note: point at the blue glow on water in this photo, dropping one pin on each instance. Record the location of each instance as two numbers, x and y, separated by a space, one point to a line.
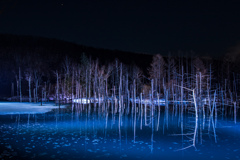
85 132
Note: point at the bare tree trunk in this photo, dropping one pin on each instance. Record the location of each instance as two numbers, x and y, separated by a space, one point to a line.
106 89
235 112
95 78
45 93
195 104
12 90
49 90
86 85
152 88
72 93
20 85
89 80
182 91
57 91
126 87
36 89
34 94
64 88
120 84
29 87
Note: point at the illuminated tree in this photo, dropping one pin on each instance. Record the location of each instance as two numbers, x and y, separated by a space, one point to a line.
157 72
28 77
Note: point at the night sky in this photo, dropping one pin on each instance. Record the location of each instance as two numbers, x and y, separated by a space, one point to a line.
146 26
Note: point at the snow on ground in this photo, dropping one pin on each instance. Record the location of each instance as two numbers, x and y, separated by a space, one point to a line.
137 100
82 101
25 108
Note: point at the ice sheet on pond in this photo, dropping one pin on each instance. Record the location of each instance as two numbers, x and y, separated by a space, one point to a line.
25 108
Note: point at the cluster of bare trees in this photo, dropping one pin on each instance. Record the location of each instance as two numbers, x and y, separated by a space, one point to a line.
30 76
168 78
95 81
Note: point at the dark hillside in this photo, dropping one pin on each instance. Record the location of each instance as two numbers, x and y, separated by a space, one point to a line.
11 45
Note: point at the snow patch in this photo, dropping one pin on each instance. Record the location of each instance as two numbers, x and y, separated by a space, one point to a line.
25 108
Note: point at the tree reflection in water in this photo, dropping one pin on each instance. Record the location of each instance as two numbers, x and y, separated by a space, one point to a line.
109 130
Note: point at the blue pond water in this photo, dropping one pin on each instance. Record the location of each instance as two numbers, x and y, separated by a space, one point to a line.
85 132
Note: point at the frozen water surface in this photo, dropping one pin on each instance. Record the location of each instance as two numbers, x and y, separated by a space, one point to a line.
25 108
97 132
